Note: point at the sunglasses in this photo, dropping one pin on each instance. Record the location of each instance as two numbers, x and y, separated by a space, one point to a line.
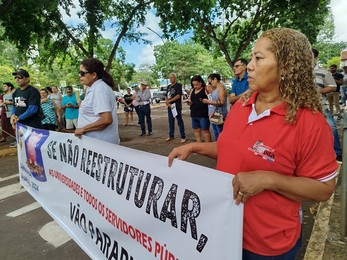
18 77
83 73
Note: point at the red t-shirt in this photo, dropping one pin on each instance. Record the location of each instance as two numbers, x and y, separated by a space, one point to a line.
271 221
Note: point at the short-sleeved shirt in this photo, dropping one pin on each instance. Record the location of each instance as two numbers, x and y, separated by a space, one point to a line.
323 79
127 99
70 112
8 107
197 107
22 99
337 76
172 91
266 142
99 98
214 96
48 112
56 97
239 85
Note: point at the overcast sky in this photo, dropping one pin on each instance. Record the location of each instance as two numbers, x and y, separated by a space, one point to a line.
339 9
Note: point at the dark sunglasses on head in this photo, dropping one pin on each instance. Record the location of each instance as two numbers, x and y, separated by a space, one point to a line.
18 77
83 73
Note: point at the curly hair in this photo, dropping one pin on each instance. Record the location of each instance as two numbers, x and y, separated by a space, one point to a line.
295 65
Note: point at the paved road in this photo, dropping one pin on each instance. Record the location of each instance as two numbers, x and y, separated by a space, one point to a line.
28 232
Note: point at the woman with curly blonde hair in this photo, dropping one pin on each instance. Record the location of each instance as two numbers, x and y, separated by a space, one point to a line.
277 144
294 59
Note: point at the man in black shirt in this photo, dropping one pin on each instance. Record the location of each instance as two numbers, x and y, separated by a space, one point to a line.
26 102
174 105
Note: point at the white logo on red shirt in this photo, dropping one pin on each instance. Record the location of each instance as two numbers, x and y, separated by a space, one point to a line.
265 152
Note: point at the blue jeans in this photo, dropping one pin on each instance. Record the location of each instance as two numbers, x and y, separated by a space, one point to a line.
137 112
200 123
290 255
343 91
179 122
145 111
216 129
332 124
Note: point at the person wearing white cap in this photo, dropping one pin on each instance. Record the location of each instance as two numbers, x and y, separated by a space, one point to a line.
143 98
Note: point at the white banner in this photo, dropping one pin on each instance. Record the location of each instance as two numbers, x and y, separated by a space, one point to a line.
121 203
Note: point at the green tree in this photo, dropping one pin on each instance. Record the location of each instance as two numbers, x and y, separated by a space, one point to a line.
230 26
333 60
5 5
9 55
146 73
329 51
34 23
186 60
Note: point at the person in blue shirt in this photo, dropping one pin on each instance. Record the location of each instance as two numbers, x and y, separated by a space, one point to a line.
239 83
70 106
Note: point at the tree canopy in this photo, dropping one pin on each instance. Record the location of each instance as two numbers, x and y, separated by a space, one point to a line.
230 26
32 23
187 59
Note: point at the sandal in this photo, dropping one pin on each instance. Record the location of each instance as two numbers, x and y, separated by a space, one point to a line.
2 140
169 139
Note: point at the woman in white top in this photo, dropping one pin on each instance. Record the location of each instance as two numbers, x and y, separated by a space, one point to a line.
98 113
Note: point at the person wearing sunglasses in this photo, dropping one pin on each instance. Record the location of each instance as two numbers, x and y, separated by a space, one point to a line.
26 102
98 111
216 101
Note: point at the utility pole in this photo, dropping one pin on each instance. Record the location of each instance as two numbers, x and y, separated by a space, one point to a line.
165 67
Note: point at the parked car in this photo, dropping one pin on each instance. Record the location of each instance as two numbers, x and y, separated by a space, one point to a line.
159 95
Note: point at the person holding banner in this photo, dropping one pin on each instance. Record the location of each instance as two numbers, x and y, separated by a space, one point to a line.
26 102
98 112
277 144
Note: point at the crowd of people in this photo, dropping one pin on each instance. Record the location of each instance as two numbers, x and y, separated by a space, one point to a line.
208 102
93 115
